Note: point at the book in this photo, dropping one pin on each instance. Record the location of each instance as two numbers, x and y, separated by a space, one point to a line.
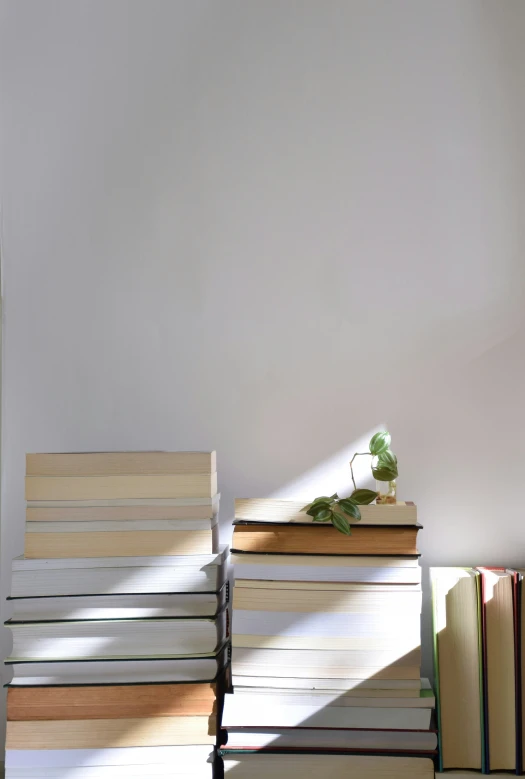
387 629
118 575
119 463
262 766
325 698
289 511
324 539
400 645
458 666
125 503
357 599
519 604
365 687
330 664
104 733
75 608
110 702
153 670
121 487
116 638
121 526
121 543
334 569
308 739
280 711
195 762
497 598
142 510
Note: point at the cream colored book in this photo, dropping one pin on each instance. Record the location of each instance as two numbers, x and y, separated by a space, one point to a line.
307 766
44 488
121 526
103 733
283 511
497 591
126 503
261 584
117 513
345 602
119 463
120 544
457 656
326 568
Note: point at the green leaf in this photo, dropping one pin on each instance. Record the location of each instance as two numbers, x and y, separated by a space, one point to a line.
323 501
387 458
363 497
350 508
380 442
306 508
384 474
323 515
387 461
341 524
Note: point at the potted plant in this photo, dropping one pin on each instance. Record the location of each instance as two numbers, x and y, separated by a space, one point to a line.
341 512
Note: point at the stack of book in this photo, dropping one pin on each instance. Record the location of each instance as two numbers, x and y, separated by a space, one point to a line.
326 646
119 618
479 653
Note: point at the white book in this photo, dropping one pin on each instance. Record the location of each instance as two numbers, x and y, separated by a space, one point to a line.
308 766
118 575
118 639
394 626
326 698
66 758
379 643
198 771
386 686
312 738
326 568
97 607
196 668
121 526
254 711
331 663
22 564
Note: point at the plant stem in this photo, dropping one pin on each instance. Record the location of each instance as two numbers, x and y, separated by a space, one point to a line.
357 454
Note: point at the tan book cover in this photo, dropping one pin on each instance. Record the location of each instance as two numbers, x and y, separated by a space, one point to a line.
114 463
114 544
45 488
263 766
111 733
110 702
324 539
117 513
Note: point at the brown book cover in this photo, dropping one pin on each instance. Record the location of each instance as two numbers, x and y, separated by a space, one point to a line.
324 539
110 702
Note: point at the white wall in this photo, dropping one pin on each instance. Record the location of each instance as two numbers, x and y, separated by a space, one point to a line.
268 227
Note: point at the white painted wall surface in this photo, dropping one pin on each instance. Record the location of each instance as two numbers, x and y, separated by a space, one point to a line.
268 227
